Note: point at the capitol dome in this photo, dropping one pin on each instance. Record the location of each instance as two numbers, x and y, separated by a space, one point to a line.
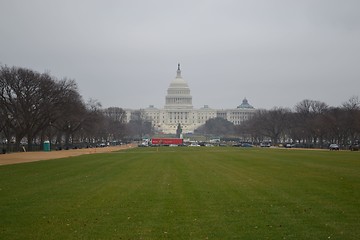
178 82
178 94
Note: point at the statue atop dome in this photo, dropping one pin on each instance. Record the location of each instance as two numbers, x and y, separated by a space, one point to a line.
178 72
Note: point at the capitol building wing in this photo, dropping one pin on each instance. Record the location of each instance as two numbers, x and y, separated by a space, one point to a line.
178 109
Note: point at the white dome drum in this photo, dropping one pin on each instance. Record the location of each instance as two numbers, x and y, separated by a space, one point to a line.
178 94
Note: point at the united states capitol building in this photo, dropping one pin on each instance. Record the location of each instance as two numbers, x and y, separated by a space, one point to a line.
178 109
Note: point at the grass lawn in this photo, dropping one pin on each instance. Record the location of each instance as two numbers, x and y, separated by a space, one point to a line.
184 193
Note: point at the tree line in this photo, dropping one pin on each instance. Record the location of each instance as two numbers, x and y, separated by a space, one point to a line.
310 124
35 107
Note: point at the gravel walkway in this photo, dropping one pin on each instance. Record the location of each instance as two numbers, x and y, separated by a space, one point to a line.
14 158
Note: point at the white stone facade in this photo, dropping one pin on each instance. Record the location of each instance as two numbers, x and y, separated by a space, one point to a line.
179 109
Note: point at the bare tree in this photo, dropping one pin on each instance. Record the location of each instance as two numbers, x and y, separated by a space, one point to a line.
352 119
310 117
69 116
93 125
115 118
139 125
32 102
21 96
274 123
249 132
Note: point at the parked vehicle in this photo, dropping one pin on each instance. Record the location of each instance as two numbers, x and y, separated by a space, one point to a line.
246 145
143 145
194 145
354 147
289 145
334 147
265 144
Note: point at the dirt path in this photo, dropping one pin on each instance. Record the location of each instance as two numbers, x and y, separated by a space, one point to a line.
13 158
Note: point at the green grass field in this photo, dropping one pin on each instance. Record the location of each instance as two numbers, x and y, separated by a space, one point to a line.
184 193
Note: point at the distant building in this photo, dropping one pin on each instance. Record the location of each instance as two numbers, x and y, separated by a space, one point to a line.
179 109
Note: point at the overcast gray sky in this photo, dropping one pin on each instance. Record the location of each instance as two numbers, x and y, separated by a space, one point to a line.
125 53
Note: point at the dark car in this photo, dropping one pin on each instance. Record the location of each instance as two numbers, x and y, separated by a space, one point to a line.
246 145
354 147
334 146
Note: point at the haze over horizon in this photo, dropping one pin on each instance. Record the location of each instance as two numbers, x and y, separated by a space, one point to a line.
125 53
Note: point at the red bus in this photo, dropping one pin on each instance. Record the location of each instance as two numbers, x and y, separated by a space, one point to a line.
166 141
